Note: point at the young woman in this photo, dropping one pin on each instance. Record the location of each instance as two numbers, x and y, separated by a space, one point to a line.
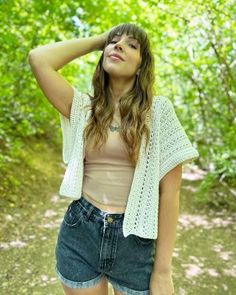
124 149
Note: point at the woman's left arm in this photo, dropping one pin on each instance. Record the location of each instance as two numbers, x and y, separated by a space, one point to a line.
161 279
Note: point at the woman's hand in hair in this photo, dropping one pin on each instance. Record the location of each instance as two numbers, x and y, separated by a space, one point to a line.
103 38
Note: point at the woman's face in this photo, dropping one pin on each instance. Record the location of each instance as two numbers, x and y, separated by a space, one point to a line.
128 49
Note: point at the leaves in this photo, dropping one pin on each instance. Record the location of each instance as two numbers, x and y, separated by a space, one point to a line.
194 48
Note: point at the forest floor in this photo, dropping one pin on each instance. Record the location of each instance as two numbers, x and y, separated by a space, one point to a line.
204 259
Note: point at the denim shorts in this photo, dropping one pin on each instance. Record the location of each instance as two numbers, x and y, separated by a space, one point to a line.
91 245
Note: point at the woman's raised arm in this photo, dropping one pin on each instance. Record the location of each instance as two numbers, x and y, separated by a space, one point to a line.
47 59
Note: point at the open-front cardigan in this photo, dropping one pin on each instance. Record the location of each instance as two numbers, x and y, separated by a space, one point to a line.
168 146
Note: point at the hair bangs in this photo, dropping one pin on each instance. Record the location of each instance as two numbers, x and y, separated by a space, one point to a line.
129 29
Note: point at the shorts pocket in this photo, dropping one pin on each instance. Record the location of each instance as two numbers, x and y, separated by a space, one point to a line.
74 214
143 241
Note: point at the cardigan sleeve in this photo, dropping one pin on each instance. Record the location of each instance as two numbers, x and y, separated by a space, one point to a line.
175 146
68 126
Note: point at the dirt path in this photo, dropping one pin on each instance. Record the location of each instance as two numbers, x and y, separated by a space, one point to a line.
204 259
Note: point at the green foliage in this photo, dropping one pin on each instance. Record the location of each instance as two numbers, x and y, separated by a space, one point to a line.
195 67
216 193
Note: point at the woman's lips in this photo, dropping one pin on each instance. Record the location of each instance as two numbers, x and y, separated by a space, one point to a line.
113 57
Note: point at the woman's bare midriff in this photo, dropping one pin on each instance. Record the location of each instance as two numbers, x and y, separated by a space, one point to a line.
105 208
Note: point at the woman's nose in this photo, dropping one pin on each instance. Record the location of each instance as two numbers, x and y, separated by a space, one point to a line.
118 45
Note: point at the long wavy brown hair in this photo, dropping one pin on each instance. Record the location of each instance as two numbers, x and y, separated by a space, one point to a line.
134 106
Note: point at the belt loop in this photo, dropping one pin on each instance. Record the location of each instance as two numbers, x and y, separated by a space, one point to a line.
89 212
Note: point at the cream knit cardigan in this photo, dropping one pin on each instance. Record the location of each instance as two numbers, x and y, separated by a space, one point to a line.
168 147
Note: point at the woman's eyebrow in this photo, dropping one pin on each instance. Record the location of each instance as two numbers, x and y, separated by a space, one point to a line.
132 37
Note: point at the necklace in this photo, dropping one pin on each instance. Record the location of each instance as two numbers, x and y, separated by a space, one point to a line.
114 128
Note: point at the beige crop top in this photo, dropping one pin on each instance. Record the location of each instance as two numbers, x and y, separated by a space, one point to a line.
108 174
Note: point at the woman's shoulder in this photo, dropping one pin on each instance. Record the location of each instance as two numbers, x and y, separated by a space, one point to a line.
161 102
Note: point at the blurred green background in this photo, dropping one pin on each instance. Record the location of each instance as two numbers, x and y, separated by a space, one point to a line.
194 47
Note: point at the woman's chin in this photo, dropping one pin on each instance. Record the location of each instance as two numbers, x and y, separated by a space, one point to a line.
115 74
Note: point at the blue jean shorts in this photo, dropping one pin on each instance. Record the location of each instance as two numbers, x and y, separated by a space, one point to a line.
91 245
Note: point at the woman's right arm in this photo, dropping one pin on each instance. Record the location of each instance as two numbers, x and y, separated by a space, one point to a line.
47 59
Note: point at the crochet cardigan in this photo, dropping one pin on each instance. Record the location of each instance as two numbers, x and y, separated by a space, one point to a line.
168 147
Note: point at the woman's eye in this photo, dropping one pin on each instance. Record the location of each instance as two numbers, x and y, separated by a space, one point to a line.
133 46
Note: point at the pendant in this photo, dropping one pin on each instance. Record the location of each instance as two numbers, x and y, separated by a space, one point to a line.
113 128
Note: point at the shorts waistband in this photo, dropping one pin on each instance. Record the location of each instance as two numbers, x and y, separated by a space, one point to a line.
90 208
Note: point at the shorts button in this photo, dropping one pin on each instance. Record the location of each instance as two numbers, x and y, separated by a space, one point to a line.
109 219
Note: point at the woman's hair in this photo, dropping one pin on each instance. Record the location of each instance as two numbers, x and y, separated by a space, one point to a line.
134 106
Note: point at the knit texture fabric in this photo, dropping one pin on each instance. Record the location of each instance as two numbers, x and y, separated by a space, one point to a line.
168 146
